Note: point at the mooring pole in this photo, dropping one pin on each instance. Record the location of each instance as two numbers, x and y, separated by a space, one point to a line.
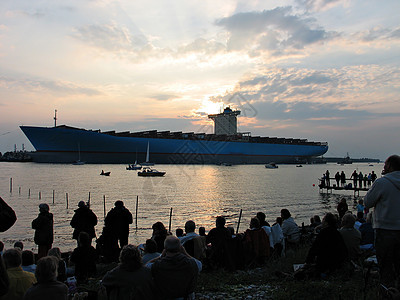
53 196
240 217
104 205
170 219
66 198
11 185
136 214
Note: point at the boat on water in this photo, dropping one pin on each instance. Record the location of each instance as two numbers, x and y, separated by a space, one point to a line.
150 172
105 173
226 144
271 165
134 166
147 162
346 160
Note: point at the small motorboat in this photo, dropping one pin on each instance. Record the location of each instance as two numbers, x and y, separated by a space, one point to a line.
105 173
299 166
149 172
271 165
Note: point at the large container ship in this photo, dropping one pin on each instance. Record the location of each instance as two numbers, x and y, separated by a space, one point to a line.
65 144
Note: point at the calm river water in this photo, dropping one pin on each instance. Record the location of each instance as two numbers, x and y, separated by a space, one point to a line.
199 192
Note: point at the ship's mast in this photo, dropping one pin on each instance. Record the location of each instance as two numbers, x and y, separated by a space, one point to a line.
55 118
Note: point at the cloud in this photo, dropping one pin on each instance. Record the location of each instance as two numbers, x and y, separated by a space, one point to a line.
318 5
61 88
164 97
377 33
277 31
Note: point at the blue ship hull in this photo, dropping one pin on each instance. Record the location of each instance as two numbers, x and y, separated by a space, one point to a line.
64 144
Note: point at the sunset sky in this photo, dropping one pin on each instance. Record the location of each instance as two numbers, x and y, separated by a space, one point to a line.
325 70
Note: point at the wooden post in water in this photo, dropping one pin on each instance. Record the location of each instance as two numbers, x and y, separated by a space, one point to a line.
137 205
170 219
40 195
53 196
66 198
104 204
19 191
240 217
29 193
11 185
88 203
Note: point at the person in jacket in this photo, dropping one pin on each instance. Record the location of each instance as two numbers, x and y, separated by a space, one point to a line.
384 197
47 286
129 280
175 272
84 220
19 280
43 226
289 228
118 220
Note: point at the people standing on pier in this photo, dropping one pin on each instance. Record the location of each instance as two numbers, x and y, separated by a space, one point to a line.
84 220
355 177
118 220
43 226
384 196
365 180
337 178
342 179
360 179
373 176
327 178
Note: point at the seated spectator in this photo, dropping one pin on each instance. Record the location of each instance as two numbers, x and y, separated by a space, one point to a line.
367 234
190 227
159 235
84 258
19 280
202 231
47 286
175 272
62 266
256 244
107 245
328 251
261 216
218 238
4 283
360 220
129 280
150 251
289 228
315 221
28 261
179 232
232 231
278 239
351 236
19 245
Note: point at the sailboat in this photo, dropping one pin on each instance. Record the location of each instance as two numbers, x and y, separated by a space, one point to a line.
79 162
147 162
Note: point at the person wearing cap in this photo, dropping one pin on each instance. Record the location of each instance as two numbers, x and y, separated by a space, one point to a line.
118 220
43 226
84 220
175 272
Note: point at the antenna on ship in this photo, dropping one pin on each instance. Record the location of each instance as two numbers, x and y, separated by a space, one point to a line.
55 118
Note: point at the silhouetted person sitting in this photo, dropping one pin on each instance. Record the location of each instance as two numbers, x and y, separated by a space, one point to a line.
129 280
179 232
175 272
190 227
351 236
159 235
19 245
290 229
328 252
47 286
84 258
107 245
202 231
150 251
28 261
218 238
256 244
62 266
261 217
342 208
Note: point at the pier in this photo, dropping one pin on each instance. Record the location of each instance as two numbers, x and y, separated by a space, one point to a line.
356 190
